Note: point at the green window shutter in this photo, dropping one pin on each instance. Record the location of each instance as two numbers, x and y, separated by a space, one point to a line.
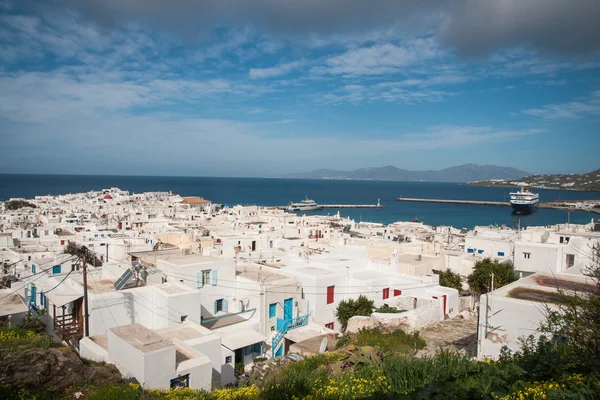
199 283
213 277
225 306
215 307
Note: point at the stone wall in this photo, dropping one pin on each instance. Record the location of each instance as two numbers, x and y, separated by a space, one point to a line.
427 313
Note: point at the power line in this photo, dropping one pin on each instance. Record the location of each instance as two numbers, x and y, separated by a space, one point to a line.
39 275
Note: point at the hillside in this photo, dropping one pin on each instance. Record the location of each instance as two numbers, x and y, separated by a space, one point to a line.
589 181
461 173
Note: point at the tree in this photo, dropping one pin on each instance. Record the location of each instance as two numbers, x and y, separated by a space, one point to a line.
351 308
480 280
450 279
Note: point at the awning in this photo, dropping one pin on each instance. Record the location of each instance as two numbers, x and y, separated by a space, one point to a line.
60 299
11 303
239 340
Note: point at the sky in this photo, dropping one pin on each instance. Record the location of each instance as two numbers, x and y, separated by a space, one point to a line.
268 87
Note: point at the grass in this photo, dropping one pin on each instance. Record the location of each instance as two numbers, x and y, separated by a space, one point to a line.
396 342
540 296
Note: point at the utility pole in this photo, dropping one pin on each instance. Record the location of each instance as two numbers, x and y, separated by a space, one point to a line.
86 321
492 302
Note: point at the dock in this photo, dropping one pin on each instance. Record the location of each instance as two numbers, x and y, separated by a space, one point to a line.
351 206
468 202
555 204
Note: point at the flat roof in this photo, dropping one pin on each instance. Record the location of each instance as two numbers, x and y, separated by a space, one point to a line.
141 338
183 260
184 331
11 303
255 273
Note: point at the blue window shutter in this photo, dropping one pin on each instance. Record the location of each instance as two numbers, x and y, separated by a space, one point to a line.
272 310
225 307
215 307
33 269
247 350
199 280
257 348
56 269
213 277
33 296
500 254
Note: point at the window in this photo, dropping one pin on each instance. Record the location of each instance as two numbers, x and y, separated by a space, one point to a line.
228 360
272 310
397 292
570 260
562 239
386 293
470 250
330 294
258 348
183 318
479 251
219 306
62 242
527 255
56 269
33 269
500 254
203 278
182 381
329 325
247 350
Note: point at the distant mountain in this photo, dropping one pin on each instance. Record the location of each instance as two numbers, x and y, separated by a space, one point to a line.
589 181
462 173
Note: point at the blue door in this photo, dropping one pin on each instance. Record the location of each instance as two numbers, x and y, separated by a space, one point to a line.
288 310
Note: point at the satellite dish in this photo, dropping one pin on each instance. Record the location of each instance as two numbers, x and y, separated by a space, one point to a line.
323 347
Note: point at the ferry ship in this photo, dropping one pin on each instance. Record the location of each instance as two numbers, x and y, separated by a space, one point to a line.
524 201
304 205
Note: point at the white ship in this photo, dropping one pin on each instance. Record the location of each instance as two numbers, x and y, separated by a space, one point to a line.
524 202
304 205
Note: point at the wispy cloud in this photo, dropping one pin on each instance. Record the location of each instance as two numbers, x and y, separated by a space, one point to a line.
573 109
278 70
380 59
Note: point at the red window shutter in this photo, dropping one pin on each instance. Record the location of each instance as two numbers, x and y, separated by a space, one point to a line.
330 294
386 293
397 292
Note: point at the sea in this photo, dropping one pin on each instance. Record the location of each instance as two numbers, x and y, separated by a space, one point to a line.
279 192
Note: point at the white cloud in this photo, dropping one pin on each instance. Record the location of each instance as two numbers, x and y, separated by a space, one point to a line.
381 59
574 109
278 70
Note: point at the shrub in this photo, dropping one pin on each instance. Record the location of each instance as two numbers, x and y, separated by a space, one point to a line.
389 310
450 279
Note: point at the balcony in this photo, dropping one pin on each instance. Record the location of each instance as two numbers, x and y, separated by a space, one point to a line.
68 327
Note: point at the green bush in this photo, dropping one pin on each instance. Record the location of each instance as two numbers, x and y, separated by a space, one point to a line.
450 279
389 310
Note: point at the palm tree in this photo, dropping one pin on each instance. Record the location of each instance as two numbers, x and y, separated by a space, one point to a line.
480 280
351 308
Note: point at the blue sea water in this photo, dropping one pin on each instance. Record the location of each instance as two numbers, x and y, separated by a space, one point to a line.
279 192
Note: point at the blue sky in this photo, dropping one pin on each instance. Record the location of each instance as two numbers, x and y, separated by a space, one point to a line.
239 88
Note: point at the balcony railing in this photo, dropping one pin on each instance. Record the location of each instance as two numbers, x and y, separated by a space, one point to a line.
68 327
285 326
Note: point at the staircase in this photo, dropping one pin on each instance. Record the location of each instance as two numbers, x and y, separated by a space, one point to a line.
287 325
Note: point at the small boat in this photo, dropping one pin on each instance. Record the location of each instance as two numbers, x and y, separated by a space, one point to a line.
304 205
524 201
